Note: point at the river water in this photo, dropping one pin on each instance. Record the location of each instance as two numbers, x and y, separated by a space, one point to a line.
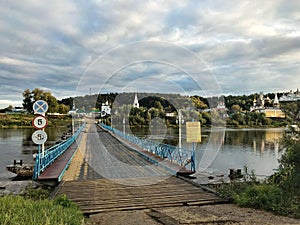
258 149
219 150
16 144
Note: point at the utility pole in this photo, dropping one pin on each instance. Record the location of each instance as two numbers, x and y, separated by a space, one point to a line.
180 121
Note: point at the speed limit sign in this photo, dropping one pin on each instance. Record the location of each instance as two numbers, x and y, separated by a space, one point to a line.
39 122
39 137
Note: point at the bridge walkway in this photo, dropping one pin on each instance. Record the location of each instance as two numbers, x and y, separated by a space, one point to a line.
54 173
106 175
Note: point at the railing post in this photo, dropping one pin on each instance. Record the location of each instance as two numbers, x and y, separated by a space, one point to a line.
193 163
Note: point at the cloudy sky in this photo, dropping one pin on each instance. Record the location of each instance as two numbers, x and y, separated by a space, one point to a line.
75 47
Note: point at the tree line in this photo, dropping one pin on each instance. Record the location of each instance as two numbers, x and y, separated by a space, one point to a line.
30 96
197 108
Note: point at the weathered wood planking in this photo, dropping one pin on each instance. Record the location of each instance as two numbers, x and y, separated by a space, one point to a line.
103 195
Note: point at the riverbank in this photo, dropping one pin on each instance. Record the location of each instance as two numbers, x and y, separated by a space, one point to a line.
25 121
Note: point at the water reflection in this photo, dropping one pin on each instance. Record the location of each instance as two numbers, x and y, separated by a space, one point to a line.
258 149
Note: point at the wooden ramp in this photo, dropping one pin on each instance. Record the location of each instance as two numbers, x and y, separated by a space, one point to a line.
103 195
54 173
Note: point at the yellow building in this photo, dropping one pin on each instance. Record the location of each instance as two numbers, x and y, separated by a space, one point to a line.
271 112
274 113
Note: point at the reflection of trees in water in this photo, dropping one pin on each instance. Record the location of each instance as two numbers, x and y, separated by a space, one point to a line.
260 140
27 145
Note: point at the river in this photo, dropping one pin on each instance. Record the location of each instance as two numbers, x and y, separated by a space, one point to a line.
16 144
219 151
258 149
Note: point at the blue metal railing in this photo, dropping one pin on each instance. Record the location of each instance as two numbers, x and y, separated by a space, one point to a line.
179 156
52 153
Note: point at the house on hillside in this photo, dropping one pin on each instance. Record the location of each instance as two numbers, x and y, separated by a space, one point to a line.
291 96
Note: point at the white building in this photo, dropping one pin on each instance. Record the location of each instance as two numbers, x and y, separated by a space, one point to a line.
136 102
290 97
105 109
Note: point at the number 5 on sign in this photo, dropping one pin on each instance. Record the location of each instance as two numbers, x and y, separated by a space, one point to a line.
39 122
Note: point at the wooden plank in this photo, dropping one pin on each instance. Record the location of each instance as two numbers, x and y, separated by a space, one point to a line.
131 193
99 197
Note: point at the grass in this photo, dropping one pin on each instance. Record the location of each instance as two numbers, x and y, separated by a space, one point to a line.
34 207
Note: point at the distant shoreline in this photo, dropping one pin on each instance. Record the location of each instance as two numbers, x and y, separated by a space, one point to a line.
20 121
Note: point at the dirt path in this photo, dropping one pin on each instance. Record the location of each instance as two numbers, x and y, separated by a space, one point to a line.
209 215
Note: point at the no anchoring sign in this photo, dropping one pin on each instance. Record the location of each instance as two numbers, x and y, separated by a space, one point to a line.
40 107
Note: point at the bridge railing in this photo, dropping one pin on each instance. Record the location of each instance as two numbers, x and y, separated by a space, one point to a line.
180 156
52 153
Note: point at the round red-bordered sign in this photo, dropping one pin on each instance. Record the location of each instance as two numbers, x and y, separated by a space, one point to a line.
39 122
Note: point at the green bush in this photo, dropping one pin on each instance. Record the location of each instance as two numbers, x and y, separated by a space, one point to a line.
261 196
280 193
267 197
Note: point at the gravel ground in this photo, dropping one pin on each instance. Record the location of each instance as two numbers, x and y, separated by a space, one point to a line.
208 215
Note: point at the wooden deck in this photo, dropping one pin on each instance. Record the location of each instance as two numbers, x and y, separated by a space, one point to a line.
109 176
105 195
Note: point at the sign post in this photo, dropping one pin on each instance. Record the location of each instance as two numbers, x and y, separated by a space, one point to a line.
39 122
193 135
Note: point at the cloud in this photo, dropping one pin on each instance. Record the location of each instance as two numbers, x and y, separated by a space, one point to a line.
51 45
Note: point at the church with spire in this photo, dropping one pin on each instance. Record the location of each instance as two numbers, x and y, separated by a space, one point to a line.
136 102
270 107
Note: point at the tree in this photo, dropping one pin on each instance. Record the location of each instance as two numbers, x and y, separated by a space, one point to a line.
63 109
29 97
198 103
51 100
236 108
158 105
27 100
37 94
288 174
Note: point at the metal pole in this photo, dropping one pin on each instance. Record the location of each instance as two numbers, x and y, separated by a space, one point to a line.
124 125
73 128
193 164
39 160
179 123
43 145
